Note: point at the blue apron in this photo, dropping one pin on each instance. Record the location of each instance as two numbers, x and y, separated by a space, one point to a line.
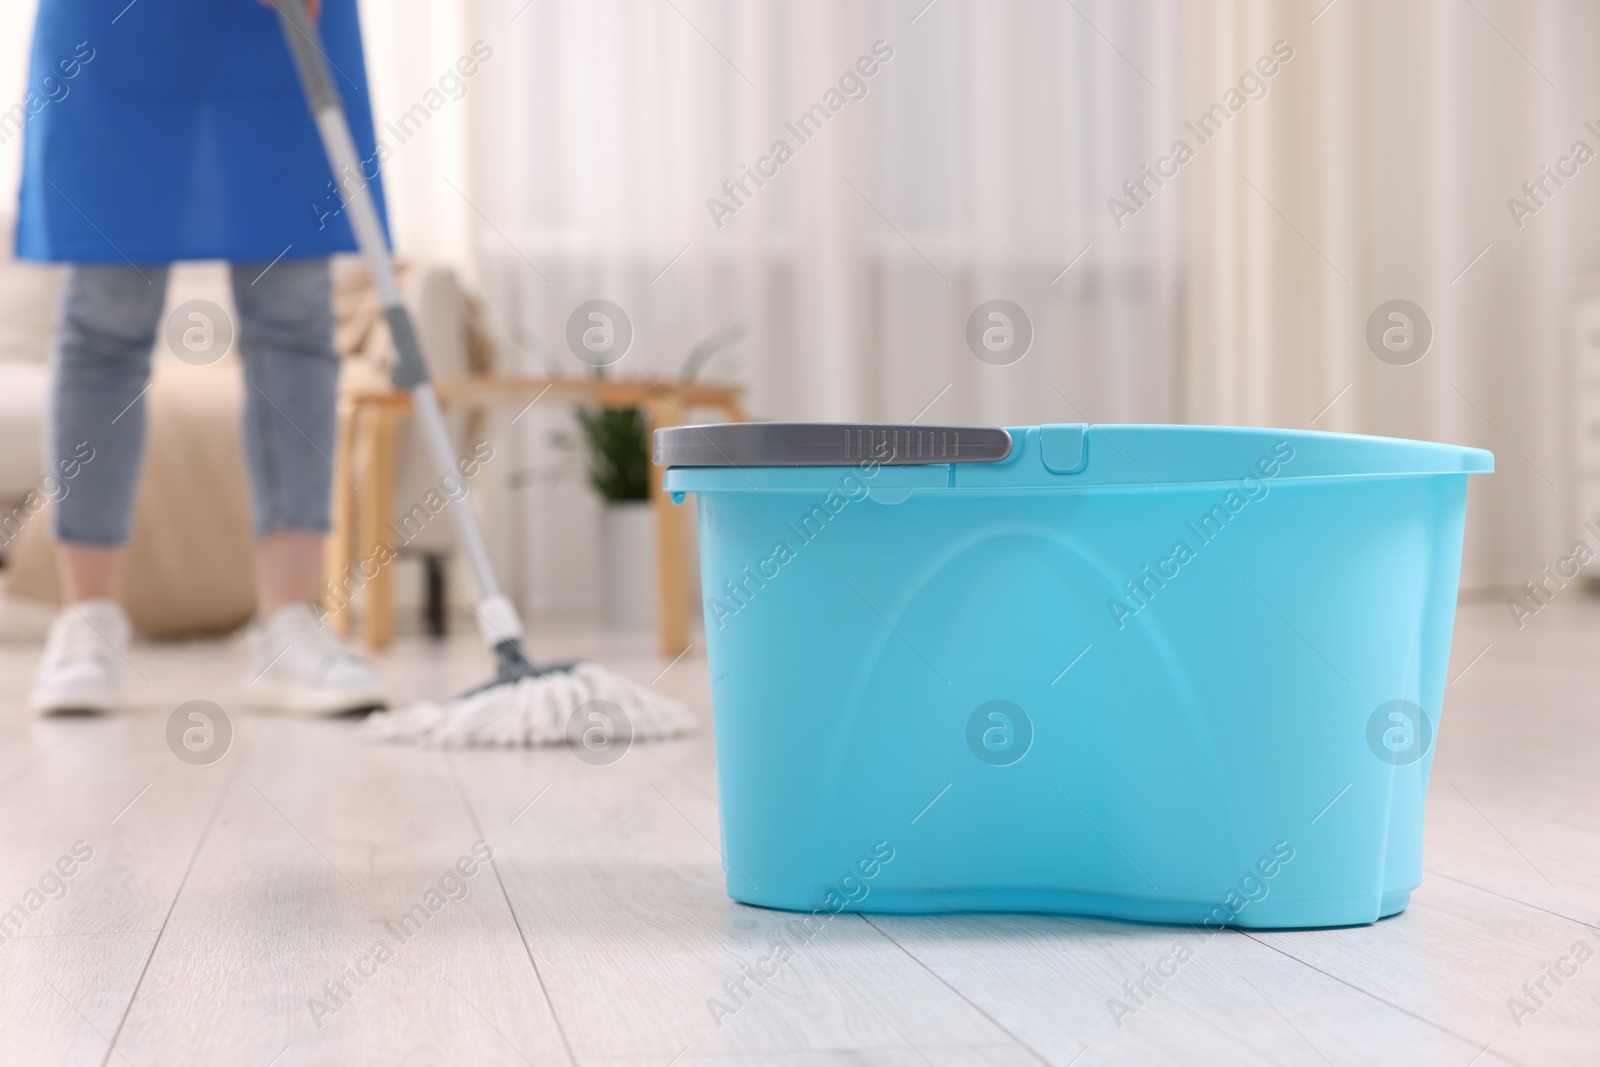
179 131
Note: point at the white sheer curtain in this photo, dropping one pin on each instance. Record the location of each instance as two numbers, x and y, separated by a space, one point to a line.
16 34
975 166
1377 166
1380 167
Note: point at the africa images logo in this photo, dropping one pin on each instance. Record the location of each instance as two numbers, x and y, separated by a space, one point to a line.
852 85
1141 590
1252 85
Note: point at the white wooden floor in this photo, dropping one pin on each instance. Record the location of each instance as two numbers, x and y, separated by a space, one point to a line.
220 901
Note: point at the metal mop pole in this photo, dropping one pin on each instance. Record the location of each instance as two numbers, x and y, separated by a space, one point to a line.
497 617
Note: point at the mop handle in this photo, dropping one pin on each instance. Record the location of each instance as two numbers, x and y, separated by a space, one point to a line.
497 618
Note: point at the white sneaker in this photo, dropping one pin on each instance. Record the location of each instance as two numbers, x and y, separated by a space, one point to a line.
298 666
79 668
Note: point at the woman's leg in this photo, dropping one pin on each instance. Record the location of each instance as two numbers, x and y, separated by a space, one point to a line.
94 444
288 570
89 573
101 368
291 378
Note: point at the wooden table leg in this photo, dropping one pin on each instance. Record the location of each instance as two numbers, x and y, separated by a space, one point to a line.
672 574
339 549
372 445
376 510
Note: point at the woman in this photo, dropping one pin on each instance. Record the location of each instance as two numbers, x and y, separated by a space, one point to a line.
185 136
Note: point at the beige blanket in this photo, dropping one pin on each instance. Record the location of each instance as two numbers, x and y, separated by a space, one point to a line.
189 562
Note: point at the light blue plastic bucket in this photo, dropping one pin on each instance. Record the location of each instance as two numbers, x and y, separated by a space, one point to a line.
1160 673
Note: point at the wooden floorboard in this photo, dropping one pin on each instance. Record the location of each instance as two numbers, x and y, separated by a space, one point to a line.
221 901
326 844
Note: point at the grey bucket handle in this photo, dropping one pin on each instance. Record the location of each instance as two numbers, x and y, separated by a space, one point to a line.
823 444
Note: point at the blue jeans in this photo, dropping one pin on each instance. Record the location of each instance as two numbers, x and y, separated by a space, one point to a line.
109 322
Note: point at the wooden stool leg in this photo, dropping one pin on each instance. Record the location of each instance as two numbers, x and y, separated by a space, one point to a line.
339 552
436 602
377 509
672 575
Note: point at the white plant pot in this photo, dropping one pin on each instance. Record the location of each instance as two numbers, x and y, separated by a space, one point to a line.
628 561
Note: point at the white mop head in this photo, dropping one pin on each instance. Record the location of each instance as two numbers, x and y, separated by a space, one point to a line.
532 711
